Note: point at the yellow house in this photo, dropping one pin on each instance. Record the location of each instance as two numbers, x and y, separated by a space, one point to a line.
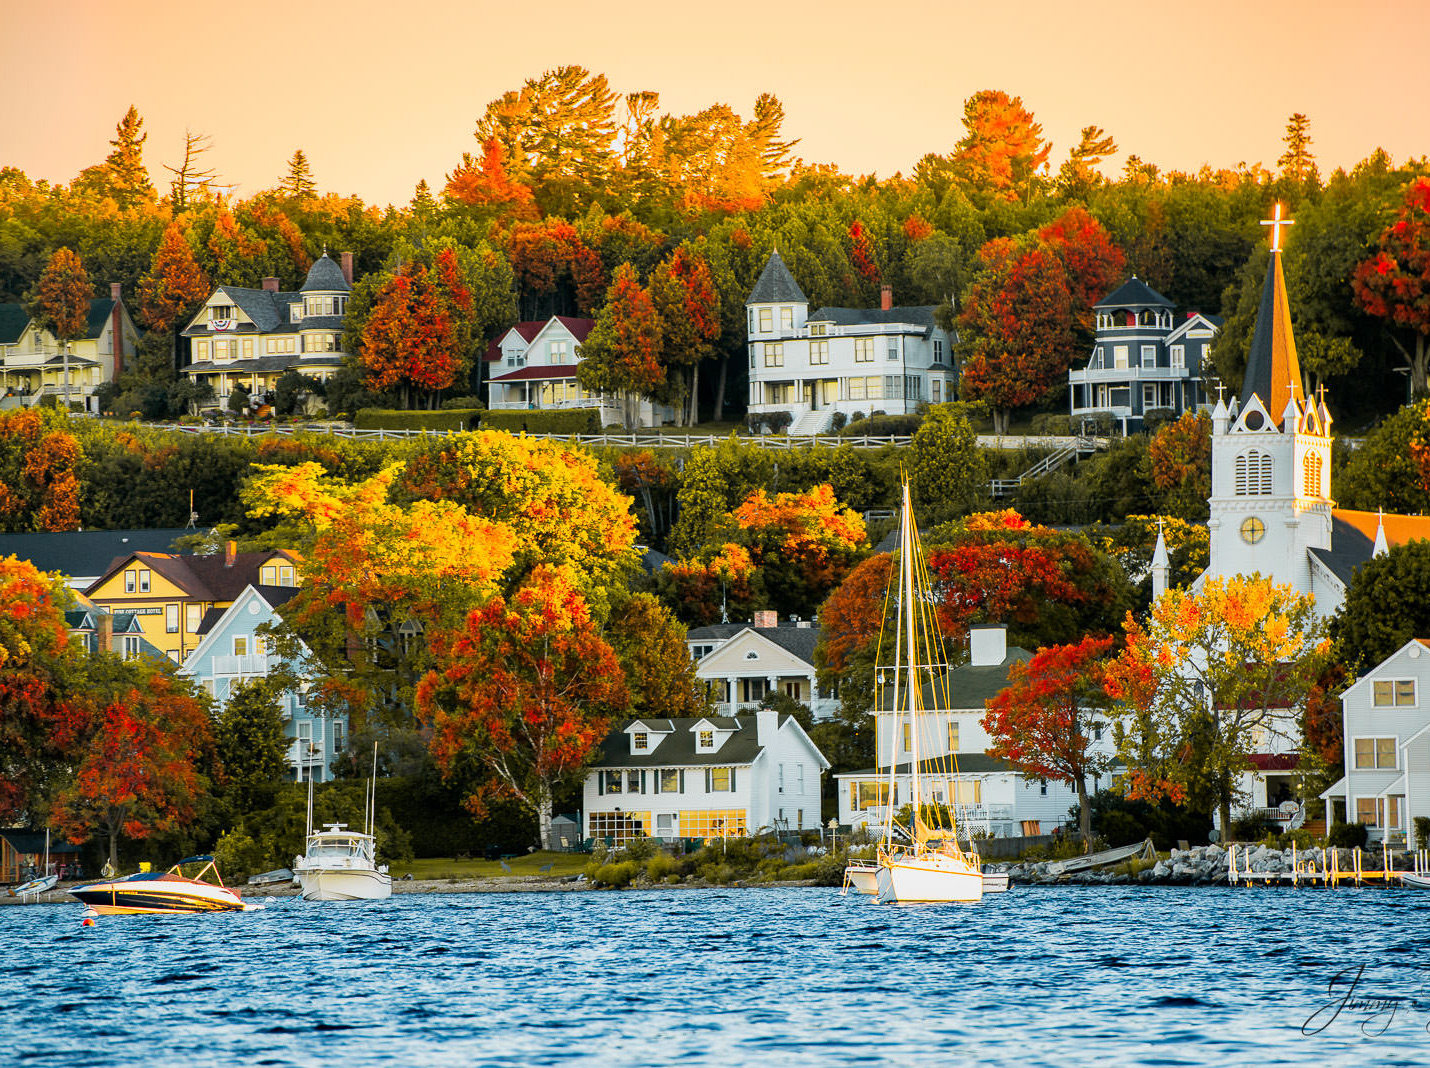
33 363
170 595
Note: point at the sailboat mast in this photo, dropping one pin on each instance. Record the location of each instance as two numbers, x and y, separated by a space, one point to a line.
906 585
894 701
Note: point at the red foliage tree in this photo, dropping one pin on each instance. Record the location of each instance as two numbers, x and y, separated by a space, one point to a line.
1042 722
174 286
688 303
525 692
556 272
861 253
485 184
622 352
1394 283
849 618
411 339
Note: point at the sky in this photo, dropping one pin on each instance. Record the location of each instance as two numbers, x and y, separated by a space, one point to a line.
379 95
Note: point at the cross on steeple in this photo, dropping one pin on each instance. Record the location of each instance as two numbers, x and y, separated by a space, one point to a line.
1276 222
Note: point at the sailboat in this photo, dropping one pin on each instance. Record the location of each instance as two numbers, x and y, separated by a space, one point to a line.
930 866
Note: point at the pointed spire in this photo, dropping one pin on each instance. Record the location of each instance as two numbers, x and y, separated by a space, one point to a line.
1381 547
1220 415
1273 372
1161 564
1324 412
776 285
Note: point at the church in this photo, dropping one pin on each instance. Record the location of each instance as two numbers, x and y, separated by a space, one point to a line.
1271 506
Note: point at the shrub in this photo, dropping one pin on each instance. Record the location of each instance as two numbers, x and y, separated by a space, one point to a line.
1252 829
238 856
856 417
662 867
536 421
1422 832
837 422
470 403
1347 835
879 424
380 419
616 875
1154 418
1053 423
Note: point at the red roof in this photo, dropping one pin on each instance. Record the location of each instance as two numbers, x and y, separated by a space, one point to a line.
579 327
1274 761
527 330
541 371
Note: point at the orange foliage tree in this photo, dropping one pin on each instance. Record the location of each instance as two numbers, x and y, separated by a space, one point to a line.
1394 283
556 272
410 341
622 352
1181 457
60 301
688 304
704 591
524 693
803 544
1042 721
1002 149
486 184
175 285
39 489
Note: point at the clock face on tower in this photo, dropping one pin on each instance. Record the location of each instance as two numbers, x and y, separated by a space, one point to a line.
1252 530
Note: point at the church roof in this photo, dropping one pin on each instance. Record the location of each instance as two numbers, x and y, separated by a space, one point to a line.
776 285
1134 293
1272 371
1353 538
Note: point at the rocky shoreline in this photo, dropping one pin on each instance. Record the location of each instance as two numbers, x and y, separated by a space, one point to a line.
1198 866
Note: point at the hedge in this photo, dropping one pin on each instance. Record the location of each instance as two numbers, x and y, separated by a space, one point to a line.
379 419
536 421
1055 423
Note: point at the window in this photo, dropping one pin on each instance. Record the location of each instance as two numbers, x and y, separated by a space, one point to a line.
938 350
193 616
754 689
1392 811
864 350
668 781
1313 474
1149 395
767 320
786 318
1253 474
1149 355
208 685
707 739
1368 811
635 782
340 740
953 736
780 786
893 350
1119 356
171 619
268 575
639 741
874 387
774 355
1394 692
201 350
864 795
1179 356
819 352
818 329
240 645
936 390
856 389
894 387
908 739
220 312
1375 753
619 827
719 780
129 581
144 581
559 353
718 824
613 782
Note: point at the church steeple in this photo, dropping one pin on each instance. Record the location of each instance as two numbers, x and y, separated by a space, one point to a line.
1273 372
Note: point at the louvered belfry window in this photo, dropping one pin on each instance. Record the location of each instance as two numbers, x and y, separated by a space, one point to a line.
1253 474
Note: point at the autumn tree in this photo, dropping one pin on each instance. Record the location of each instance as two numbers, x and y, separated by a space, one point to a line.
1180 454
1042 723
649 642
802 543
173 288
688 306
622 352
59 302
1079 175
40 461
1394 284
122 176
1002 150
948 472
139 772
557 273
1298 163
409 339
485 184
1209 679
523 694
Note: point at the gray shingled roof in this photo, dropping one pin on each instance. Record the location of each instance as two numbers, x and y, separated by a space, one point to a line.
971 763
1349 549
677 749
800 641
1134 293
920 315
968 686
1259 357
325 276
776 285
86 553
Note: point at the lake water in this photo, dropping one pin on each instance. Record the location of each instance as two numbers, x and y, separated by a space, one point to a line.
1161 976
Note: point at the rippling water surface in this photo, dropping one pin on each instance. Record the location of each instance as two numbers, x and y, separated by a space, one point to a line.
1157 976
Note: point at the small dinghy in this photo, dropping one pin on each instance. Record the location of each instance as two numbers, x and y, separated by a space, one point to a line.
35 887
1415 882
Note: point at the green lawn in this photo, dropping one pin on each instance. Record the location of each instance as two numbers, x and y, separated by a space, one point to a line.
530 864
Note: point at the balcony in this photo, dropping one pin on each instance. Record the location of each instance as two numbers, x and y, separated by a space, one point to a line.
1129 374
246 666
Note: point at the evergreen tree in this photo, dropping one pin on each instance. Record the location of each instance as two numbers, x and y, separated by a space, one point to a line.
129 182
1297 163
298 183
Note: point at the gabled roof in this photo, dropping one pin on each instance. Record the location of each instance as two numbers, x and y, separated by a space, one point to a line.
1272 371
796 640
579 328
86 553
776 285
968 687
100 310
13 320
273 596
203 578
526 330
325 276
920 315
1353 538
678 748
1134 293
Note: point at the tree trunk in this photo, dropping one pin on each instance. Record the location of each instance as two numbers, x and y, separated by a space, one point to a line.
694 415
1084 814
720 389
543 814
1417 369
1000 420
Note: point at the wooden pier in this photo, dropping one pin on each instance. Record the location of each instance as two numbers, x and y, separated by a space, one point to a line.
1325 871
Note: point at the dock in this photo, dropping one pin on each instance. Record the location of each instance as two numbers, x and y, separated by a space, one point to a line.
1309 870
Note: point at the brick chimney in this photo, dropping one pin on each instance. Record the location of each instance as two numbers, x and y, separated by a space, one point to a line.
270 285
347 259
230 553
116 327
104 632
886 297
767 618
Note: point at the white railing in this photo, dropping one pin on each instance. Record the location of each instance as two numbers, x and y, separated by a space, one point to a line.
252 664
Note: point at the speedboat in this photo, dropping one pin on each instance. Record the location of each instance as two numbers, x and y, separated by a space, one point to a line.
162 892
340 865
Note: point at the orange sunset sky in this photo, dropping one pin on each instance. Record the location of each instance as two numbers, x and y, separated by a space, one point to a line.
380 94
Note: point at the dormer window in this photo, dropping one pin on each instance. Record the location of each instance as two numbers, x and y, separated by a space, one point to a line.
707 739
820 329
220 312
640 741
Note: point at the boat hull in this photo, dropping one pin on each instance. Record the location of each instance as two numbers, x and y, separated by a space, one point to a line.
928 878
35 887
995 882
323 884
119 897
862 878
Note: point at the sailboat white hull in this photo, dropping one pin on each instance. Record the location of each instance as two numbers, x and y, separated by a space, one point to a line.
930 877
344 885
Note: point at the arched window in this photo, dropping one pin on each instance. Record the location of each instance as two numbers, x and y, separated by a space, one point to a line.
1253 474
1313 474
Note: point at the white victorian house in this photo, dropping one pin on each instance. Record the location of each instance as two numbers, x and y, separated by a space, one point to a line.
987 795
708 777
234 650
1386 716
884 359
533 366
743 663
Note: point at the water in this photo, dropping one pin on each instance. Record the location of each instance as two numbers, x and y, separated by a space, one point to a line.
1157 976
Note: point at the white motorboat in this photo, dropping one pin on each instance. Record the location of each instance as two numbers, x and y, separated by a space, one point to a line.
339 864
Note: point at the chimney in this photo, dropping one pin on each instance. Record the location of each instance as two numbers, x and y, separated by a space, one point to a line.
987 646
270 285
767 618
348 267
230 553
116 326
886 297
104 632
767 721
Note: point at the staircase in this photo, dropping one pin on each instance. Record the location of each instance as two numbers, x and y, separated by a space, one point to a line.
1006 487
811 423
